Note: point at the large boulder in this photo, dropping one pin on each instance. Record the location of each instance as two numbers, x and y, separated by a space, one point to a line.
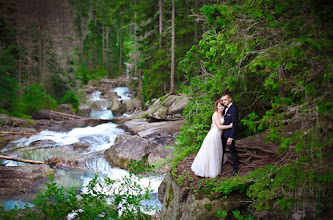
84 110
66 108
133 105
6 120
50 125
15 180
117 107
127 147
169 107
93 82
146 129
99 105
47 114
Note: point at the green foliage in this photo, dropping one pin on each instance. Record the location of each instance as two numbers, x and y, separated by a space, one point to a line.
140 167
71 98
34 99
8 61
221 214
105 199
286 186
238 215
274 64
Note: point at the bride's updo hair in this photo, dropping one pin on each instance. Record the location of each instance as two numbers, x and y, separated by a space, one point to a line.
216 103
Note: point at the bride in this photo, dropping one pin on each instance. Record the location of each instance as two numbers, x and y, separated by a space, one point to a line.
208 161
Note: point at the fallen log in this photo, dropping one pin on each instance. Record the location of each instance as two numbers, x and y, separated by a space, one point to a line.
67 116
53 162
4 133
21 160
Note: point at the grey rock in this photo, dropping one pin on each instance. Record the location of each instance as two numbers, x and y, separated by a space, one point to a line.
5 120
133 105
47 114
84 110
80 146
169 107
146 129
127 147
66 108
93 82
16 180
117 107
100 105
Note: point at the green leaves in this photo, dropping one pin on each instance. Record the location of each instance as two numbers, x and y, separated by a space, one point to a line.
104 199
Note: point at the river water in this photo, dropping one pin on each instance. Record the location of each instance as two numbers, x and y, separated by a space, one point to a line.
99 138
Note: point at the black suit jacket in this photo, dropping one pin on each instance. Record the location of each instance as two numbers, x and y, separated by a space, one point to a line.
231 117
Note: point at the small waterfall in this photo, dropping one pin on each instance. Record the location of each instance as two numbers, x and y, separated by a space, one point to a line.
103 113
124 93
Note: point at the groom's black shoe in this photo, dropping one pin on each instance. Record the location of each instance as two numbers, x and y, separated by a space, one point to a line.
234 172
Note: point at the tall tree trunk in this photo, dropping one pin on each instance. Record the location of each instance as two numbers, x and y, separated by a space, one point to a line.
107 48
195 24
135 47
30 47
40 55
103 39
160 4
172 85
120 45
40 44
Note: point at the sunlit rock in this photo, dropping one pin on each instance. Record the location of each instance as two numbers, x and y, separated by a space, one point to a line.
169 107
146 129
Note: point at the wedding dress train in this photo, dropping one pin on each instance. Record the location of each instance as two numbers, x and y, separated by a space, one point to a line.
208 161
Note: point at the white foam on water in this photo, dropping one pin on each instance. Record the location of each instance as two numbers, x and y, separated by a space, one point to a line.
103 114
96 96
100 137
123 92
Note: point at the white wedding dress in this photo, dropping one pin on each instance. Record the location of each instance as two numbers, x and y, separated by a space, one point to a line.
208 161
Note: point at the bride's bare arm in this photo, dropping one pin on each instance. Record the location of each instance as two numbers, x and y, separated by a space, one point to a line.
216 120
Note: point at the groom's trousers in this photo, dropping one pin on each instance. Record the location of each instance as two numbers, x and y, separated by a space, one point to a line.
232 151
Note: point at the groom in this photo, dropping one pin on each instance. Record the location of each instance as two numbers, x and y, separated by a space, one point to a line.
229 135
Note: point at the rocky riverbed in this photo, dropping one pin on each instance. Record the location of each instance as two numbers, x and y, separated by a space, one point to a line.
137 136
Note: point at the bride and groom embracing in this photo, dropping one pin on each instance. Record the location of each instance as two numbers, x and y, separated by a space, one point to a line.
209 160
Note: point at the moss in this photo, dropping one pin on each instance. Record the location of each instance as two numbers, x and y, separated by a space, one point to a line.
29 123
170 196
209 206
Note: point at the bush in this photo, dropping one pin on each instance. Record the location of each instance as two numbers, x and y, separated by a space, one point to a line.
104 199
34 99
71 98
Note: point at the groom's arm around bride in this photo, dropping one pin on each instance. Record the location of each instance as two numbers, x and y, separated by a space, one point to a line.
229 135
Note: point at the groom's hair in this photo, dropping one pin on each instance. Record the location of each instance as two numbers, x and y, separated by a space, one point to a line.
225 94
